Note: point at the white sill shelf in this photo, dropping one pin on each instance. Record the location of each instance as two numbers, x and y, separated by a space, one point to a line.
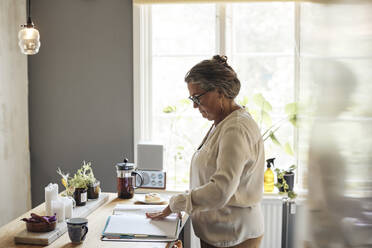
302 194
170 191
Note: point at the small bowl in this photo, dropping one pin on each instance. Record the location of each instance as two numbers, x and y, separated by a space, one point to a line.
41 226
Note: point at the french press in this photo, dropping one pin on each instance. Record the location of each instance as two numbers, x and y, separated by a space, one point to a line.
126 179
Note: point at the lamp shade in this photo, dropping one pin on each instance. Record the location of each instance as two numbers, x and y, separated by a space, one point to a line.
29 40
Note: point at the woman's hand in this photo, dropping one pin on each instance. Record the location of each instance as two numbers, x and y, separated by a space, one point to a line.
159 215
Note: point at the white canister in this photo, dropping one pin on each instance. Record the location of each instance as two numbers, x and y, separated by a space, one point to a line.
68 207
58 208
51 193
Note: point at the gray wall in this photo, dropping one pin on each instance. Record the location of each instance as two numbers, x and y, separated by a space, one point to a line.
14 146
80 90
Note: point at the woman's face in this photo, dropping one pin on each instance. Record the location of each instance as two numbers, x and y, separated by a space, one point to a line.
210 102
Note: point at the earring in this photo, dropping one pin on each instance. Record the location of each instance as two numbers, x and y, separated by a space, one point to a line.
221 107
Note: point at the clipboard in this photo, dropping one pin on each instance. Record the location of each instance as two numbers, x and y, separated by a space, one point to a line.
166 230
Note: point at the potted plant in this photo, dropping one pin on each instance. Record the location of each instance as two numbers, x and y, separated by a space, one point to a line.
81 187
76 186
69 188
260 111
285 181
92 183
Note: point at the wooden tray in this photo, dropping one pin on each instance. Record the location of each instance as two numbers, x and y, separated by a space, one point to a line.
25 237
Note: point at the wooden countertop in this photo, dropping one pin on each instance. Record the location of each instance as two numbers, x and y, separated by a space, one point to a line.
96 222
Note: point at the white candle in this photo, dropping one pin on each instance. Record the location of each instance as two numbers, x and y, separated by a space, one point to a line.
58 208
68 207
51 193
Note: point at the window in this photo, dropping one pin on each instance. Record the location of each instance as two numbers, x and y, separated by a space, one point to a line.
259 40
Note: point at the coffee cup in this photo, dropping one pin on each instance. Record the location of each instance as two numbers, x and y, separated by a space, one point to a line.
77 229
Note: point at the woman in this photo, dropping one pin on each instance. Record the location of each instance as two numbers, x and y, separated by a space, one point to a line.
227 169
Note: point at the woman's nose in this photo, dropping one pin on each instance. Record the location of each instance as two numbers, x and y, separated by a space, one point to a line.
195 105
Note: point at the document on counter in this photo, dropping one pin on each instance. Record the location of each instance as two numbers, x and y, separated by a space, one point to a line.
129 223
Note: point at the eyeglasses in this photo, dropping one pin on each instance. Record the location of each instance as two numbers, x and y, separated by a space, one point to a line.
196 99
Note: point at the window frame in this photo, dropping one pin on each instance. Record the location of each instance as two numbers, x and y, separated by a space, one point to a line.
142 72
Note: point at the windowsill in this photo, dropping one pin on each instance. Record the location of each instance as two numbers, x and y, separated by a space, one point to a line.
177 188
167 190
301 194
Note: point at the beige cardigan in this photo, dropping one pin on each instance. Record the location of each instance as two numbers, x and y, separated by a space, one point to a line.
226 183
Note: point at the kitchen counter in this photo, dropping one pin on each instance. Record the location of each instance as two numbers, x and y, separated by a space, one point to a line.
96 222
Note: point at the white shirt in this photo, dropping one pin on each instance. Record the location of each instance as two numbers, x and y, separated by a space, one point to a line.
226 183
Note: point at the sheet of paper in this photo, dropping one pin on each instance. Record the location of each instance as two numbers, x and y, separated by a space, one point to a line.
143 208
136 209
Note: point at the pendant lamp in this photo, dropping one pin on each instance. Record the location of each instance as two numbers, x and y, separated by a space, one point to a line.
29 37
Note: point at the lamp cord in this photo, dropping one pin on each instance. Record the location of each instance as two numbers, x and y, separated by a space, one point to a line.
29 22
29 8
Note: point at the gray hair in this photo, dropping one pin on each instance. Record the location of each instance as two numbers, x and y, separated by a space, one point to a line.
213 74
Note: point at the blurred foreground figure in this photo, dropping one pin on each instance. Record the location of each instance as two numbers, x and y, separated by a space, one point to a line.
340 150
328 205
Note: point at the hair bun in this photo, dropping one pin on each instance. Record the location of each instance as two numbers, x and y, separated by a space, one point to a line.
220 59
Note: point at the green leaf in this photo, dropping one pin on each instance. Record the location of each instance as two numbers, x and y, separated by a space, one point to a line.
274 139
292 168
266 119
258 99
293 119
278 185
261 102
184 102
291 108
292 194
169 109
288 149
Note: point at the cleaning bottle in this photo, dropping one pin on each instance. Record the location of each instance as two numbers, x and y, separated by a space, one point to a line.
269 176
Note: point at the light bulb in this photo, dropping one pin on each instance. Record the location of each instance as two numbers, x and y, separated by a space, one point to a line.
29 40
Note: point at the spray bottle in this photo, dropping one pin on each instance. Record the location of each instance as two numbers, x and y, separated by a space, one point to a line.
269 176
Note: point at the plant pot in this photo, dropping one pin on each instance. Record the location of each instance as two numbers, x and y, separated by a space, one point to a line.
289 178
80 196
94 190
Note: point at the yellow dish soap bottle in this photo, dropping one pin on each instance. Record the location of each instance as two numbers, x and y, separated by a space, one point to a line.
269 176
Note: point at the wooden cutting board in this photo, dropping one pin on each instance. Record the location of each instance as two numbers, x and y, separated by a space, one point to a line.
26 237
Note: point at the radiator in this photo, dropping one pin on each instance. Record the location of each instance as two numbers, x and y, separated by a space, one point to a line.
279 218
272 208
